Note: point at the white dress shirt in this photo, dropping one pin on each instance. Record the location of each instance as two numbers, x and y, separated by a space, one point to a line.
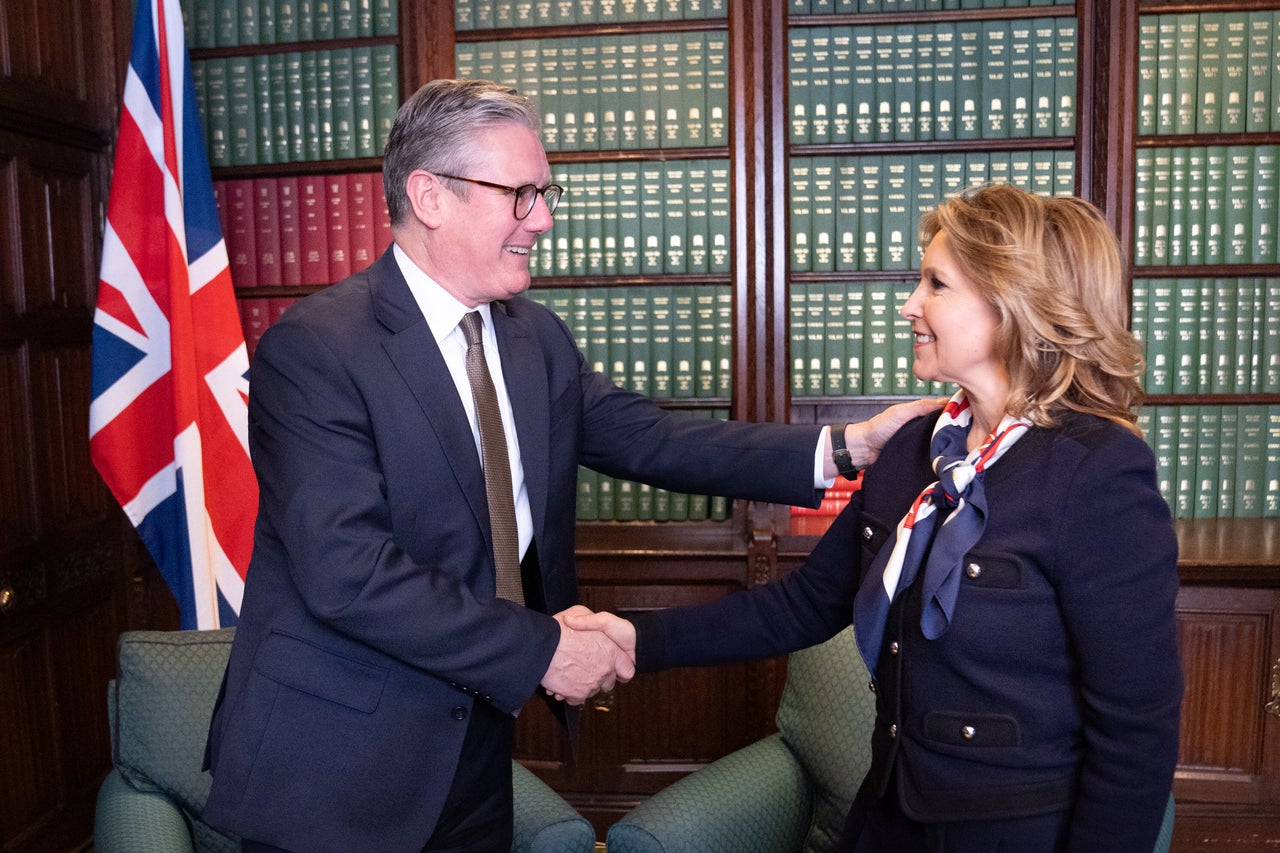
443 314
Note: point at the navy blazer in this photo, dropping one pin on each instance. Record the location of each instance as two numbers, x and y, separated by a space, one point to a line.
1061 658
369 625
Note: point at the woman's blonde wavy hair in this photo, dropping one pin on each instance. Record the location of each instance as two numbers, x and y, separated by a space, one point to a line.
1051 268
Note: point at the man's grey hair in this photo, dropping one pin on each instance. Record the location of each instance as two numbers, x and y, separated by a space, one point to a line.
435 130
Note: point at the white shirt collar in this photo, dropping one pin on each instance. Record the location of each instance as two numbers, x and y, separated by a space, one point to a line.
441 310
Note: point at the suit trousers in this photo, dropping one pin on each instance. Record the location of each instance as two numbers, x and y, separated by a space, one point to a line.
478 812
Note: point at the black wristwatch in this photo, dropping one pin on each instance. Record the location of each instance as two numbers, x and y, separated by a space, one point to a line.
840 453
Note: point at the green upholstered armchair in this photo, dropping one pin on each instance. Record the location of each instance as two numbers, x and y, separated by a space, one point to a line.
159 706
789 792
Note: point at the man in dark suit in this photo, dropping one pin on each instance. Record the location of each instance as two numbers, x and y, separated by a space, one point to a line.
369 700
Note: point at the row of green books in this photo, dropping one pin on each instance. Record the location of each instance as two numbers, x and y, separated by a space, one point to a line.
1216 461
646 90
992 79
861 213
501 14
849 339
236 23
663 341
299 105
1209 335
838 7
604 498
638 217
1211 204
1209 72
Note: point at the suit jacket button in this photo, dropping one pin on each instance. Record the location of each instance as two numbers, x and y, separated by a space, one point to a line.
868 533
893 730
871 685
974 571
894 647
458 713
968 732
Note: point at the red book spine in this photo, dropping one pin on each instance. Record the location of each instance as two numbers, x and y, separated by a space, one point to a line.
242 249
290 231
266 220
338 218
254 320
277 305
313 230
360 196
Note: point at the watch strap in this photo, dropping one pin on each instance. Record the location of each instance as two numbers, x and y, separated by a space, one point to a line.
840 453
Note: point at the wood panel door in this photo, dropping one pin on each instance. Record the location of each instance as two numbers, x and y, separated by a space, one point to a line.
1228 779
63 548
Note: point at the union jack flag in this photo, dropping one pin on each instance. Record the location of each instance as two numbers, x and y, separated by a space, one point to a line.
168 424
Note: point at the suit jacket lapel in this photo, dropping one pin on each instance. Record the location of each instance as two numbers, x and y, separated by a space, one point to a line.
523 368
415 354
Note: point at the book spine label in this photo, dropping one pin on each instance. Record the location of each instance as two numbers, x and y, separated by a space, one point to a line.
682 341
704 343
1207 67
1259 59
995 80
289 227
1234 94
266 223
1066 81
1186 73
661 342
800 83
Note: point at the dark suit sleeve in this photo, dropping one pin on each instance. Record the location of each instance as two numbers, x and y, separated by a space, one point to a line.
1117 580
808 606
326 514
626 435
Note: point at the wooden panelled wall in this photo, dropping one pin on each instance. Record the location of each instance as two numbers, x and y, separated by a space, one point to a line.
66 551
73 575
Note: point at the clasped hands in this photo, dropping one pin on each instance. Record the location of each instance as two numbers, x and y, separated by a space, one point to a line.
596 651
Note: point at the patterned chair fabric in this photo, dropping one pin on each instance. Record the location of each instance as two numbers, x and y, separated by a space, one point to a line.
159 707
787 792
826 716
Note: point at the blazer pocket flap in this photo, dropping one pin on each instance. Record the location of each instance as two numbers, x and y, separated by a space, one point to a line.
994 571
959 729
297 664
873 532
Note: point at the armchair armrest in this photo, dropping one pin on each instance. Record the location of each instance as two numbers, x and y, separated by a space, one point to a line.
132 821
754 800
544 822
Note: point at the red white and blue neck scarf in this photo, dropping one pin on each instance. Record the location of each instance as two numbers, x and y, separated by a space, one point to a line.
957 500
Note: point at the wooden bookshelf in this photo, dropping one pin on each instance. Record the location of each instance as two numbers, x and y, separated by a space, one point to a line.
77 573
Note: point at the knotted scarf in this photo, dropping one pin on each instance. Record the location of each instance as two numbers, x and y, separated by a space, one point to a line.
944 522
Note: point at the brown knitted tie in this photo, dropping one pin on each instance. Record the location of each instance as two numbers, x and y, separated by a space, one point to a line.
497 465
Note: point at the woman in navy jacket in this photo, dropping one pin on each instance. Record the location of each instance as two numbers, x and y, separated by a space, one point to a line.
1015 602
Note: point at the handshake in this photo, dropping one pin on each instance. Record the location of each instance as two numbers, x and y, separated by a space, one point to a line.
596 651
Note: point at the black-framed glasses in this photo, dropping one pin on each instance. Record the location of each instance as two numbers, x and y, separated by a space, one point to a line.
526 194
